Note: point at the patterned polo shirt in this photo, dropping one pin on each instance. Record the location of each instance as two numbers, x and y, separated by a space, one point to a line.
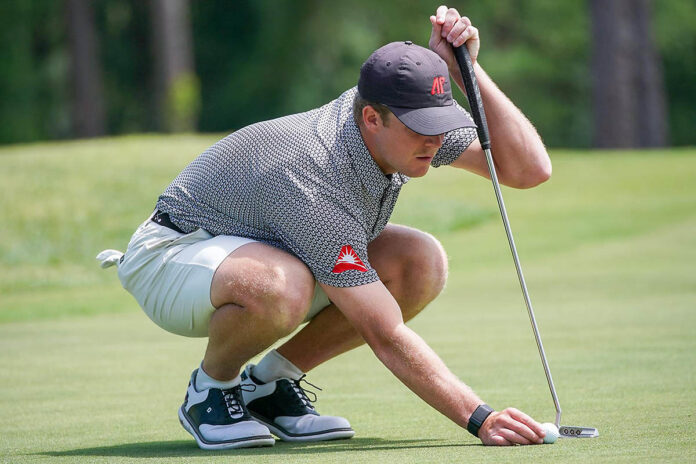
305 183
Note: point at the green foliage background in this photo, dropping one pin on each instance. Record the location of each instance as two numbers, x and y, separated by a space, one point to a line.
259 59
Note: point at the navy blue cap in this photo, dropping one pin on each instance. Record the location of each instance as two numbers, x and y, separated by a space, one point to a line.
414 83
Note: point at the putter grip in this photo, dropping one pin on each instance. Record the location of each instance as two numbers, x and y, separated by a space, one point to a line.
473 94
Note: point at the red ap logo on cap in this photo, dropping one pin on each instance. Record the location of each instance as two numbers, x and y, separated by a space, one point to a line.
438 86
348 259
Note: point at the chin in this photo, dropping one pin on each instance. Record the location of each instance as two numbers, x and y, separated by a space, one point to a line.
418 172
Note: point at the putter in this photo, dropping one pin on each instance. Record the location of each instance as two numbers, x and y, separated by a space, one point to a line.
474 96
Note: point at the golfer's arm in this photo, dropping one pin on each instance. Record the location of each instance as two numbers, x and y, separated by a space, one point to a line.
520 157
376 316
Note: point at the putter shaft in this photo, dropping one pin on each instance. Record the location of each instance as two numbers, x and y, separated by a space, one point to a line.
520 276
473 94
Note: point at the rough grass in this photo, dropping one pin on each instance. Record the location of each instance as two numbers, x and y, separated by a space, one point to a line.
609 251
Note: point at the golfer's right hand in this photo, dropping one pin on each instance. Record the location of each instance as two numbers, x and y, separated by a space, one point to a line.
511 427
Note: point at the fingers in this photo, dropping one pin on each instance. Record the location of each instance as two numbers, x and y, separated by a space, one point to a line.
437 27
515 438
457 29
461 32
451 28
440 14
528 421
511 427
447 18
519 432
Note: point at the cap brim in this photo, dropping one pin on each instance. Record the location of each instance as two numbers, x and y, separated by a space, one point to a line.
432 120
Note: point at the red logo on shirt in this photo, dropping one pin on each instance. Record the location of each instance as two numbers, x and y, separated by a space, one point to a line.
348 259
438 86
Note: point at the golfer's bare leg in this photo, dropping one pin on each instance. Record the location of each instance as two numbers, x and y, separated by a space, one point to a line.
411 264
262 294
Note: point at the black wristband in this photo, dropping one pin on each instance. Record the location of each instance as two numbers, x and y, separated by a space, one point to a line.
478 417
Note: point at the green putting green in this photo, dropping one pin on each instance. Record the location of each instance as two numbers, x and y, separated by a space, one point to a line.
608 247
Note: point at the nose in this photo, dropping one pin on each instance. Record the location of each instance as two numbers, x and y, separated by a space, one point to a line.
435 140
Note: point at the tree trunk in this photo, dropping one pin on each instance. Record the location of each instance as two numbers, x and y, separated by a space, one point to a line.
87 86
628 96
653 120
177 90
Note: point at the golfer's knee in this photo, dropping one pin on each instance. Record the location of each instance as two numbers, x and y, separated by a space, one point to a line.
424 268
286 298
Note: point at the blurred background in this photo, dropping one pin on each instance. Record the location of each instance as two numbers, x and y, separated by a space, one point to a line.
608 244
588 73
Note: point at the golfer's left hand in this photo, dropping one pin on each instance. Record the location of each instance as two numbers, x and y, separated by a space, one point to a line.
511 427
451 28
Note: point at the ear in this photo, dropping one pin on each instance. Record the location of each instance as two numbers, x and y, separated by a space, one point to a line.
371 119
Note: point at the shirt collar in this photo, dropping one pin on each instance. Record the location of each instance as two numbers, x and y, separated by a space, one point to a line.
371 176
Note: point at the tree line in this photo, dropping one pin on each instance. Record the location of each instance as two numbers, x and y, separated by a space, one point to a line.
603 73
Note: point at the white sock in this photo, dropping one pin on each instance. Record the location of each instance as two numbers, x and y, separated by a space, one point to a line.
274 366
204 381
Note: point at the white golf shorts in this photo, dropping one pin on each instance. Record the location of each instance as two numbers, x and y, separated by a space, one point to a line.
170 275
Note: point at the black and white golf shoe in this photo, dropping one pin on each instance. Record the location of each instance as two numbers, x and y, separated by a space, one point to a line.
284 407
218 419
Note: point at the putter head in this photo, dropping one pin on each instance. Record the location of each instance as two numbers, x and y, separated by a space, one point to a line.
570 431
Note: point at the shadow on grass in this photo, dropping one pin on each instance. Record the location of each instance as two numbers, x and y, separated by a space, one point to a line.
183 448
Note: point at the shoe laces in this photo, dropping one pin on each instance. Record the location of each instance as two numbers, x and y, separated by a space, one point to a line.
306 396
233 399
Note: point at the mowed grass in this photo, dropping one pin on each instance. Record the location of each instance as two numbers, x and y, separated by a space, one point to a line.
609 251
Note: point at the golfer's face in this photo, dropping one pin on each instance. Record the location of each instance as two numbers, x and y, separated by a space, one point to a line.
406 151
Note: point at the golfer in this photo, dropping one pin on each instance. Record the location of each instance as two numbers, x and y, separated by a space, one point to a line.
285 222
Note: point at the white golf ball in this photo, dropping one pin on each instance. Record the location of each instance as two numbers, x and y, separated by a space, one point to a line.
551 432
